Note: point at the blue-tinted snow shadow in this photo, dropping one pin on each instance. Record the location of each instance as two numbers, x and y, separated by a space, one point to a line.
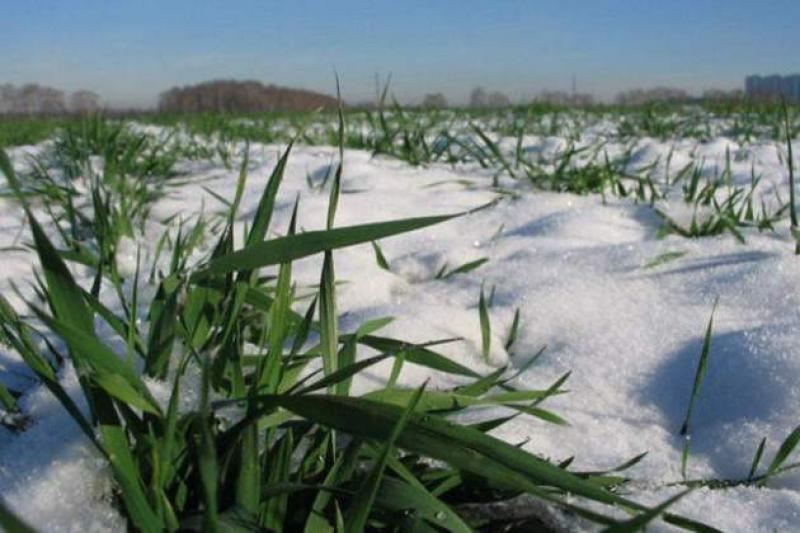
282 207
48 432
14 373
723 260
641 214
321 174
740 386
539 226
646 217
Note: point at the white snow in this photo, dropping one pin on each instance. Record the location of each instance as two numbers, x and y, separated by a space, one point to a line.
630 335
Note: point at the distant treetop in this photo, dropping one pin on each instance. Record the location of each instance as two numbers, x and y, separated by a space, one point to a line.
241 97
33 99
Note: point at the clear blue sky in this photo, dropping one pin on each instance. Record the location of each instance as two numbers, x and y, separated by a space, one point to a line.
129 51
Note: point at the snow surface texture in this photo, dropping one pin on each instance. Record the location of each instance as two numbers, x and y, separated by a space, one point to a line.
576 269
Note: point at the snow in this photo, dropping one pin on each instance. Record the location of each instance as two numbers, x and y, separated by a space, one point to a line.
573 265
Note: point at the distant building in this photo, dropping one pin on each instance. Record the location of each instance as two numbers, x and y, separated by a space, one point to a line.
773 87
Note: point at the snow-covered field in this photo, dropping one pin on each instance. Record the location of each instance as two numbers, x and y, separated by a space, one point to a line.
580 270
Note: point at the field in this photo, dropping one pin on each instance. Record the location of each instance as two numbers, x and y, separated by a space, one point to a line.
402 320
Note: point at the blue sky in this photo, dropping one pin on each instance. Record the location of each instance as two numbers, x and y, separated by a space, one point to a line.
129 51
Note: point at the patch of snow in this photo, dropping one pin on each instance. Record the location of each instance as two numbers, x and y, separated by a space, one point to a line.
573 265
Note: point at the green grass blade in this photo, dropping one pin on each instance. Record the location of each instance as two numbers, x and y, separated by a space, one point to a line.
10 523
360 507
278 471
107 369
666 257
417 354
486 328
757 459
700 373
207 456
240 184
163 325
459 446
410 493
640 521
513 331
7 400
380 259
263 216
783 453
465 268
66 298
446 400
340 471
126 474
329 329
290 248
342 374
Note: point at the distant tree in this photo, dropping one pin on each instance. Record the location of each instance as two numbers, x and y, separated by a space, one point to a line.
31 99
562 98
84 102
721 95
434 101
240 96
635 97
363 104
497 100
478 98
7 93
481 99
51 101
26 100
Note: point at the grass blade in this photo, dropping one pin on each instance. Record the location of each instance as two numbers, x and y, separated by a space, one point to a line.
513 331
290 248
640 521
486 328
360 507
10 523
700 374
783 453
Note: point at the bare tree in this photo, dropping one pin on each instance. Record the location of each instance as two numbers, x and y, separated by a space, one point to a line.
657 94
562 98
51 101
34 99
478 98
434 101
497 100
7 93
31 99
84 102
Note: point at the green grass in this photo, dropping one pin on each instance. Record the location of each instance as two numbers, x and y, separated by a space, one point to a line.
278 441
282 464
18 131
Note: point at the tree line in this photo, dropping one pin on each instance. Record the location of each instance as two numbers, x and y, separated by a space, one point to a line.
230 96
240 97
34 99
482 99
